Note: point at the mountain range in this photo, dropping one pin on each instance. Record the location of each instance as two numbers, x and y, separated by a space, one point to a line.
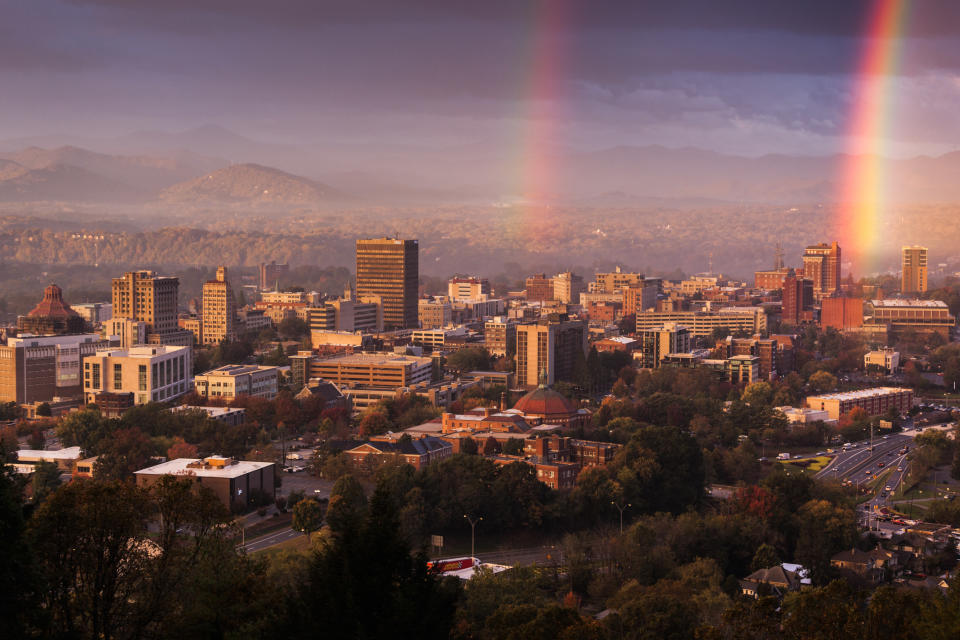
153 166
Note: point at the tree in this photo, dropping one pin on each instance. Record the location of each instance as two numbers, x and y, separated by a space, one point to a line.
347 506
469 359
822 381
43 409
181 449
84 429
37 441
307 516
758 393
373 583
45 480
16 561
128 450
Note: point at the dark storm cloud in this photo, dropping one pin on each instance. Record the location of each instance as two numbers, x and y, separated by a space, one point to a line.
772 72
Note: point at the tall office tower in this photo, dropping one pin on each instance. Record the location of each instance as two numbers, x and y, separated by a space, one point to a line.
914 270
390 268
271 273
549 347
797 299
143 296
821 264
219 313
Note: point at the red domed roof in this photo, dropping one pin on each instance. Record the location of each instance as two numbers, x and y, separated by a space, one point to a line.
52 305
544 401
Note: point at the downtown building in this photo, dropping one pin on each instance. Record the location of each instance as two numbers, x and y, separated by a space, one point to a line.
145 310
390 269
749 320
44 368
146 373
547 352
219 311
821 265
913 270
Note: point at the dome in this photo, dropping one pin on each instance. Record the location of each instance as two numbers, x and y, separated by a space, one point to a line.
544 401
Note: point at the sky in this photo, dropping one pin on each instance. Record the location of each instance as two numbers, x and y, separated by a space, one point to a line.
731 76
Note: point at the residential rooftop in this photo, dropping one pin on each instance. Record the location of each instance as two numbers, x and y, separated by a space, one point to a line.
69 453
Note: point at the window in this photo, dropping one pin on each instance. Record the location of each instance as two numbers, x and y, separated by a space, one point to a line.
117 376
142 382
96 376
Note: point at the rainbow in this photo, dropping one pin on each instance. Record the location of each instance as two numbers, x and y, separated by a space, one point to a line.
541 80
863 196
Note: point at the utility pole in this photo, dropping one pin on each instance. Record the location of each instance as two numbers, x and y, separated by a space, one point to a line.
621 510
473 526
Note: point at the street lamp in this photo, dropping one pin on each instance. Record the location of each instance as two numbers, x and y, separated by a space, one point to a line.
473 526
621 510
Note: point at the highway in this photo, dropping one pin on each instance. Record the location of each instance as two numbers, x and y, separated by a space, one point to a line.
270 540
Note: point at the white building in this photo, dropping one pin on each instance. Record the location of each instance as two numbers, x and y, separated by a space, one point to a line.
232 380
152 373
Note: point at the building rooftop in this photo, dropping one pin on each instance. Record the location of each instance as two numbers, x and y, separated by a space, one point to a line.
892 302
142 351
376 359
181 467
210 411
69 453
862 393
235 369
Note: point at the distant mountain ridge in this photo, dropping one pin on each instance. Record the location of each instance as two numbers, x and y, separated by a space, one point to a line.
156 161
249 184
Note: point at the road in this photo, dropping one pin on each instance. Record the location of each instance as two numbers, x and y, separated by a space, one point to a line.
270 540
852 465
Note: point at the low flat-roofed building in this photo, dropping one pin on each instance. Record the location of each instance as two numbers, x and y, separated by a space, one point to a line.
232 380
437 338
805 415
234 482
63 458
876 401
233 416
751 320
374 369
922 316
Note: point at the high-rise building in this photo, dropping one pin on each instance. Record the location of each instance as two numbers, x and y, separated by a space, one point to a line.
500 336
146 297
914 278
219 313
656 343
549 348
270 274
461 288
390 268
821 265
797 300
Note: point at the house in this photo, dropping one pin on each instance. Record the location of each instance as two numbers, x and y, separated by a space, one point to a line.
873 566
327 392
775 581
418 453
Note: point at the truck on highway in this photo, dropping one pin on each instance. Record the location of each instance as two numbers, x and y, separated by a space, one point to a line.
783 456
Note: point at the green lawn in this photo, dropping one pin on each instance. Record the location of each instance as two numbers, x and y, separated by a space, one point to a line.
808 465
